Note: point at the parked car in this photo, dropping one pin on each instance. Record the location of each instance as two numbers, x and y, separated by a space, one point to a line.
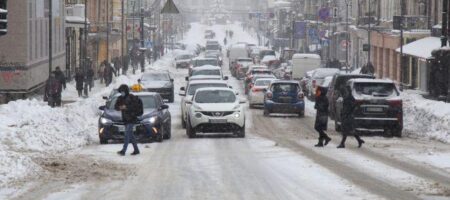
188 92
201 61
334 90
215 110
317 78
183 60
160 82
256 94
156 120
283 96
378 106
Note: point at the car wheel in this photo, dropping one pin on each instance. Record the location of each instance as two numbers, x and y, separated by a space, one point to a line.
183 123
168 133
397 133
160 135
337 127
251 106
103 140
190 131
171 98
266 112
241 132
301 114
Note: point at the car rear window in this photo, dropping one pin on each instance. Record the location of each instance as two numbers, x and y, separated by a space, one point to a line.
148 102
262 82
285 87
215 96
156 77
376 89
205 62
213 72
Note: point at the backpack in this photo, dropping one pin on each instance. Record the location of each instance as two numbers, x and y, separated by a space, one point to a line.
137 108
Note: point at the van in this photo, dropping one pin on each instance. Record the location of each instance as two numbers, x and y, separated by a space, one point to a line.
237 51
302 63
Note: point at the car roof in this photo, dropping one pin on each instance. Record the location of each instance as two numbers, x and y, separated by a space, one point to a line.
265 79
284 81
140 94
204 58
215 88
205 67
193 82
368 80
156 72
205 77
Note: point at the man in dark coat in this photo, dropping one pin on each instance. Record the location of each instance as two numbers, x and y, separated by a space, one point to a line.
108 73
347 120
368 69
60 76
53 90
79 80
90 78
321 122
131 108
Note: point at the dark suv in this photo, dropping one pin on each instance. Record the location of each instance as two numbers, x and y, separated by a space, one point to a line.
337 84
160 82
377 106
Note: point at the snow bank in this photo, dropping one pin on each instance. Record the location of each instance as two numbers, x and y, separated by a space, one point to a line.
426 118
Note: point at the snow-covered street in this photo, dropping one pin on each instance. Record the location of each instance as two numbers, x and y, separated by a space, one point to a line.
55 153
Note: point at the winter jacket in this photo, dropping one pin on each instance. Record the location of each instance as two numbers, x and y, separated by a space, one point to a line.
60 76
90 75
130 114
53 87
79 80
322 110
347 114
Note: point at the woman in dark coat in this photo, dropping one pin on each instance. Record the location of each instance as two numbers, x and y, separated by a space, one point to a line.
79 80
347 118
321 116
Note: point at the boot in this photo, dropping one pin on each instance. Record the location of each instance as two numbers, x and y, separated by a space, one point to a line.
341 146
327 140
320 143
135 153
121 153
360 143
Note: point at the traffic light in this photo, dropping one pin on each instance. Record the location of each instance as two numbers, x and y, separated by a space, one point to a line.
3 18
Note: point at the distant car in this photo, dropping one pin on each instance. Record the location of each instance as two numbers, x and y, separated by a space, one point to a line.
265 52
215 110
183 60
270 61
284 96
317 78
334 90
160 82
209 34
378 106
256 94
188 92
201 61
155 121
207 70
214 54
254 78
252 72
240 67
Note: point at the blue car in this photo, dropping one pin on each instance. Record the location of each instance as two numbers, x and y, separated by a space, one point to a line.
155 123
284 96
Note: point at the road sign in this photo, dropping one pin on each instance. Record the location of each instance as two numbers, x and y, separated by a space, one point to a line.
170 8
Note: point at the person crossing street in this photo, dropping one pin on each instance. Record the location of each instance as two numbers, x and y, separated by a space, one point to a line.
322 116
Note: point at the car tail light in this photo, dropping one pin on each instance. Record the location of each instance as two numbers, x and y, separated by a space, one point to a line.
395 103
256 89
269 95
358 102
301 96
250 85
314 83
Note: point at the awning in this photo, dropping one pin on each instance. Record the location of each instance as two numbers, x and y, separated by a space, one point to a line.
75 22
421 48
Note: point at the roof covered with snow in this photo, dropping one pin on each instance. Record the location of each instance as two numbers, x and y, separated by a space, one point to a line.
305 55
422 48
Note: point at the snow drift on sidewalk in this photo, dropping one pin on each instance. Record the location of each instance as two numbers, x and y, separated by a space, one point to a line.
426 118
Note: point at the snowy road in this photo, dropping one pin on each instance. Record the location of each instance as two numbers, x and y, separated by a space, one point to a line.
276 160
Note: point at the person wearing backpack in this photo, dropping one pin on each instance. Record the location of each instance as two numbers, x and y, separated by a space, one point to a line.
131 108
53 89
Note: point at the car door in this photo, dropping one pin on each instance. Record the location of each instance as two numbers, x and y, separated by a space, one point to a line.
164 113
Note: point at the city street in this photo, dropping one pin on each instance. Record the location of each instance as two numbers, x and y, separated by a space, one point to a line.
276 160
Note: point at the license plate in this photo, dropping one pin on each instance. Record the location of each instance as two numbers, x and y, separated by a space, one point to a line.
374 109
122 128
218 121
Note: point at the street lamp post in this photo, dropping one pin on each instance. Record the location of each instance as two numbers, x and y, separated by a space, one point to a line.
368 34
50 36
107 31
142 41
347 3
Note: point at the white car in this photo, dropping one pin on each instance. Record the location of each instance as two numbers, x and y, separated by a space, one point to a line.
256 94
207 70
215 110
317 78
188 92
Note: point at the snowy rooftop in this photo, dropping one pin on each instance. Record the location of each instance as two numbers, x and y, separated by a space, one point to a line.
422 48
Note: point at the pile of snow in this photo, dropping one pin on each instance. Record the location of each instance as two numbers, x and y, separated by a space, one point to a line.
426 118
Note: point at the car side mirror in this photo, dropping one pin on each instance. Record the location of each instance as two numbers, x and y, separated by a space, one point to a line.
188 101
105 97
164 107
182 89
182 93
225 78
102 107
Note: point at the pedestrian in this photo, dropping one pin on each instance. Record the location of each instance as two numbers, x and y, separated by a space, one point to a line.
101 72
347 120
368 69
53 90
79 80
126 63
131 108
225 41
321 122
117 65
90 78
60 76
108 73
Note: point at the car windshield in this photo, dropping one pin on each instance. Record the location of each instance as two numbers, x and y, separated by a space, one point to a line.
195 87
215 96
284 87
262 82
244 60
148 102
212 72
205 62
375 89
261 72
156 77
212 47
182 57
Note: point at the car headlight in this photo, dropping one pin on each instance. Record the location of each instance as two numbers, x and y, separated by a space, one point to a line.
237 115
105 121
198 115
152 120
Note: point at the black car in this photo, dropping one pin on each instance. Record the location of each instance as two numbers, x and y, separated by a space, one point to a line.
160 82
156 120
377 106
337 84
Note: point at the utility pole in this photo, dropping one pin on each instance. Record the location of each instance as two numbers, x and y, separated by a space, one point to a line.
444 37
368 33
50 36
402 24
142 41
134 15
85 39
122 38
347 34
107 31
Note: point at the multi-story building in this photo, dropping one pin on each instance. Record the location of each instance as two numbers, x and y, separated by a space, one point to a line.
24 54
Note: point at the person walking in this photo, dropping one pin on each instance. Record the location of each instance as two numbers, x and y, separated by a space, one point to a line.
90 78
347 120
61 78
108 73
53 90
321 122
101 72
131 108
225 41
79 80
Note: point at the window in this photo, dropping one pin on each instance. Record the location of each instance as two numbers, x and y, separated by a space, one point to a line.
215 96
